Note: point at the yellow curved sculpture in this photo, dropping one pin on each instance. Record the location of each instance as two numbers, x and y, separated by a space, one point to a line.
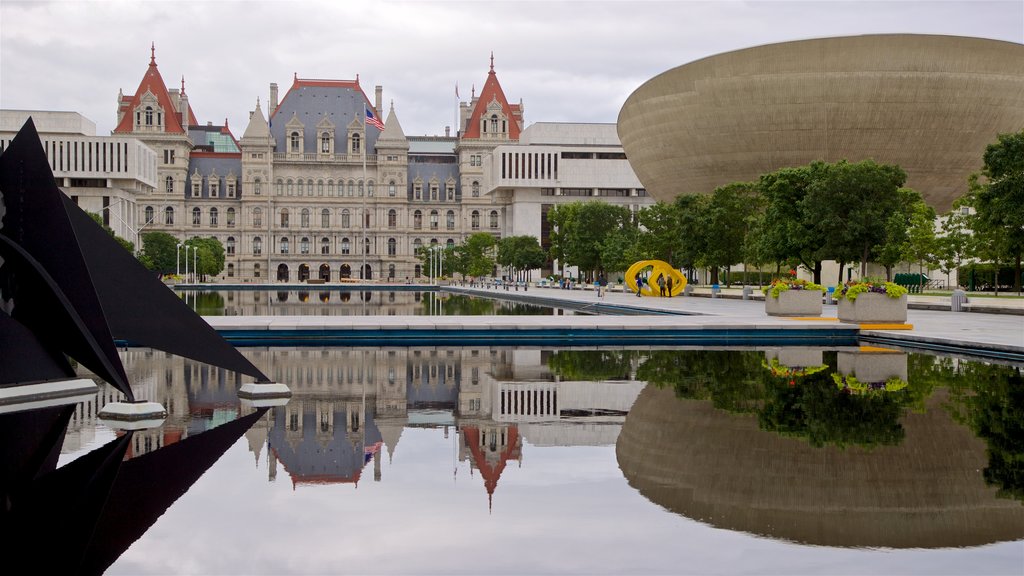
658 269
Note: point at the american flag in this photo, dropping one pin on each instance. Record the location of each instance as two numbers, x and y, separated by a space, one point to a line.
373 120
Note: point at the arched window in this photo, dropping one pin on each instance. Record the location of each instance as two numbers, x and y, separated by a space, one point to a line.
325 218
433 219
391 189
391 273
450 243
494 122
309 187
257 186
284 245
366 245
295 145
355 143
257 246
330 187
325 245
229 245
169 216
417 220
319 187
476 189
360 188
149 115
325 143
346 218
369 188
213 216
351 187
284 217
231 270
346 247
149 214
417 244
256 274
304 217
392 246
474 220
304 245
279 185
257 217
169 185
231 218
392 218
494 218
449 220
291 187
196 216
299 188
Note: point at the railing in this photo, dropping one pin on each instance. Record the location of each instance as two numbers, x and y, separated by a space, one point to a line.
314 157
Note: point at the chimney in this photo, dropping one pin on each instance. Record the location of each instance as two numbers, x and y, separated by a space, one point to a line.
273 98
447 131
379 91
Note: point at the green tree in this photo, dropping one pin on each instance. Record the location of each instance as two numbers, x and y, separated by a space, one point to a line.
689 210
999 200
580 229
479 254
130 247
210 259
160 250
849 204
787 231
520 254
955 242
659 237
910 233
725 223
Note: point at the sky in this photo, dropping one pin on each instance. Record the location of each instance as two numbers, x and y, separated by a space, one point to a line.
571 61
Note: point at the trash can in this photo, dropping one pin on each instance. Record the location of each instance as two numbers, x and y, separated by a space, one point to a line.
746 292
829 295
715 290
957 301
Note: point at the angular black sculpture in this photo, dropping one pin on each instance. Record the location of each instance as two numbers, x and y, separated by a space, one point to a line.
68 283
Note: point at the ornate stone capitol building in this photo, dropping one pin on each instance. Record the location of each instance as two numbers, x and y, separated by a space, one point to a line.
324 186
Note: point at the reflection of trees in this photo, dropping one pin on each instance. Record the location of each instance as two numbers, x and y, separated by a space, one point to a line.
805 404
989 398
592 365
208 303
462 305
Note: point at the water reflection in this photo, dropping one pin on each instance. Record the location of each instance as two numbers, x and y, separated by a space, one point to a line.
352 303
840 448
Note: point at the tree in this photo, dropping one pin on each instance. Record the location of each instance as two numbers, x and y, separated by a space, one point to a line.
955 242
910 233
579 230
849 205
130 247
689 210
659 237
787 231
479 254
999 200
520 254
210 260
725 223
160 250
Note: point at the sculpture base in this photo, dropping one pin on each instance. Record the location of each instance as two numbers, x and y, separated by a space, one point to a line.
46 394
263 391
138 415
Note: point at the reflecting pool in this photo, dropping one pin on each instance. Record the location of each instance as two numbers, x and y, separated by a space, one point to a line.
655 461
335 302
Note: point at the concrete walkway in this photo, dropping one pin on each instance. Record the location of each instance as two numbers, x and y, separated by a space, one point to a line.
996 335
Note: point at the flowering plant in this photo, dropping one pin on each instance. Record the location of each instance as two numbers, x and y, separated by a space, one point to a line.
780 285
852 385
783 371
851 290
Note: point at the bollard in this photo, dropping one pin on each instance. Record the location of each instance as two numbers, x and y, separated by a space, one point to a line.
746 292
829 295
715 290
688 290
957 301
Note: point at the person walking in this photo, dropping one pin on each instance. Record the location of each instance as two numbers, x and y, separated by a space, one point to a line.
639 283
661 285
669 286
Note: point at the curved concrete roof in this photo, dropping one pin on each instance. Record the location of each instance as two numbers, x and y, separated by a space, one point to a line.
928 103
722 469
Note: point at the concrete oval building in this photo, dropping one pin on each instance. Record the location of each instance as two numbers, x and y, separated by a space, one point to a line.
928 103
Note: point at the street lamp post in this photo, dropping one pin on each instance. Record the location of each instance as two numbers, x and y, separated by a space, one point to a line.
186 261
177 259
195 266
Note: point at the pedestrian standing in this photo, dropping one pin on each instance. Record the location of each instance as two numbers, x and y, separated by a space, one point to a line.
639 283
669 286
661 285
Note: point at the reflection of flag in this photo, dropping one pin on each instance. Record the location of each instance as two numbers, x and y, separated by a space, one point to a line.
373 120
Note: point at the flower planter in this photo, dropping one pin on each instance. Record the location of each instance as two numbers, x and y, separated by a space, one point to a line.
873 307
873 366
794 303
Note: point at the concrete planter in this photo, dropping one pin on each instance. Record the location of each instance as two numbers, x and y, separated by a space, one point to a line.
873 307
873 366
794 303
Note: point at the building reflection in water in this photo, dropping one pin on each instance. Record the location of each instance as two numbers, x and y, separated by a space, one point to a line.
349 406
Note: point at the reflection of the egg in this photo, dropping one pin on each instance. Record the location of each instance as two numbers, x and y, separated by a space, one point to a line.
721 468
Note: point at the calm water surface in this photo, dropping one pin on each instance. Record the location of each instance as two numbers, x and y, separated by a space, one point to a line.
352 303
512 461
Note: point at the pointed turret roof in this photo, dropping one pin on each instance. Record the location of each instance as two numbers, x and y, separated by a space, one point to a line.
258 127
393 136
153 83
492 92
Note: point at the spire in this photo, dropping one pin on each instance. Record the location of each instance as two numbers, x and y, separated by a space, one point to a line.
182 83
492 62
152 54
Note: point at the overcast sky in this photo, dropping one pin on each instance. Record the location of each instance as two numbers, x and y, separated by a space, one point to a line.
573 61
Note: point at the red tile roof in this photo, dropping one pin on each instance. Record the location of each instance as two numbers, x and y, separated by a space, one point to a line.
154 83
490 92
492 474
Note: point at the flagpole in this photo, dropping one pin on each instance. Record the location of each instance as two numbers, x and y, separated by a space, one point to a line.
362 195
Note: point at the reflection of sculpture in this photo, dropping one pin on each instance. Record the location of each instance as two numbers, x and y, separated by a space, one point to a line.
659 269
720 468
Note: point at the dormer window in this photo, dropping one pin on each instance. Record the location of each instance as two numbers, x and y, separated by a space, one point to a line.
325 143
214 187
149 115
355 143
295 142
494 122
